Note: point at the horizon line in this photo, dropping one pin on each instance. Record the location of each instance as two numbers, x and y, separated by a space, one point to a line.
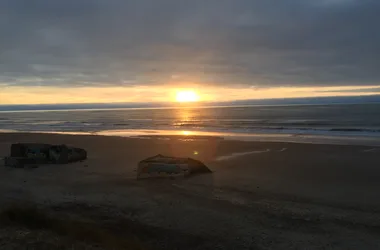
342 100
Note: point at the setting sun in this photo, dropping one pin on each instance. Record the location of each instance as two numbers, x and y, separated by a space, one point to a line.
187 96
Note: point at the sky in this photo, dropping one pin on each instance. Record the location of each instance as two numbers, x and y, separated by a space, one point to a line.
92 51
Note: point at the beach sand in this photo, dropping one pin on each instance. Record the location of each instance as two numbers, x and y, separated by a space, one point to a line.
261 195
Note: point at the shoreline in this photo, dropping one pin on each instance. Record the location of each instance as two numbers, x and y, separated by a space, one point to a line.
353 140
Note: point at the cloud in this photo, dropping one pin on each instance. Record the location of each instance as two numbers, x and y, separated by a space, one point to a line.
229 43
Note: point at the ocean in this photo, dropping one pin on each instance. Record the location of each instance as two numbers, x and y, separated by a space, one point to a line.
336 119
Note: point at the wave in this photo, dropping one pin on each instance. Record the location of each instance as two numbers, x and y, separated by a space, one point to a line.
286 120
238 127
274 126
354 130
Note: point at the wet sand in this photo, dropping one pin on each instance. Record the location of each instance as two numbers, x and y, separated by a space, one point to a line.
261 195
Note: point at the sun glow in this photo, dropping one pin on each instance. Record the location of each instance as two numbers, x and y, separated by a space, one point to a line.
187 96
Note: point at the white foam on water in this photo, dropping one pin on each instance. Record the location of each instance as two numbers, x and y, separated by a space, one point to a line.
282 150
372 150
235 155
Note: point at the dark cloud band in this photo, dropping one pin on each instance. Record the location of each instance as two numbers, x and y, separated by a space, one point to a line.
216 42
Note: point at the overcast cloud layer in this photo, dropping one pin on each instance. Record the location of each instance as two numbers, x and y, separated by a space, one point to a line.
259 43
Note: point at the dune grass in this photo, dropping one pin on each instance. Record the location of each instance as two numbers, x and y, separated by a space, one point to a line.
91 233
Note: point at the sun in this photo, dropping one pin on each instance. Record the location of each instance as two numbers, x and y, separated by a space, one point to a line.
187 96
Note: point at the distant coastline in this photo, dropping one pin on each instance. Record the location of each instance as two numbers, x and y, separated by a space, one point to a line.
151 105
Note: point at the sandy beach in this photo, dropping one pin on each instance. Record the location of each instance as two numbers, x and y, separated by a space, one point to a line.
261 195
